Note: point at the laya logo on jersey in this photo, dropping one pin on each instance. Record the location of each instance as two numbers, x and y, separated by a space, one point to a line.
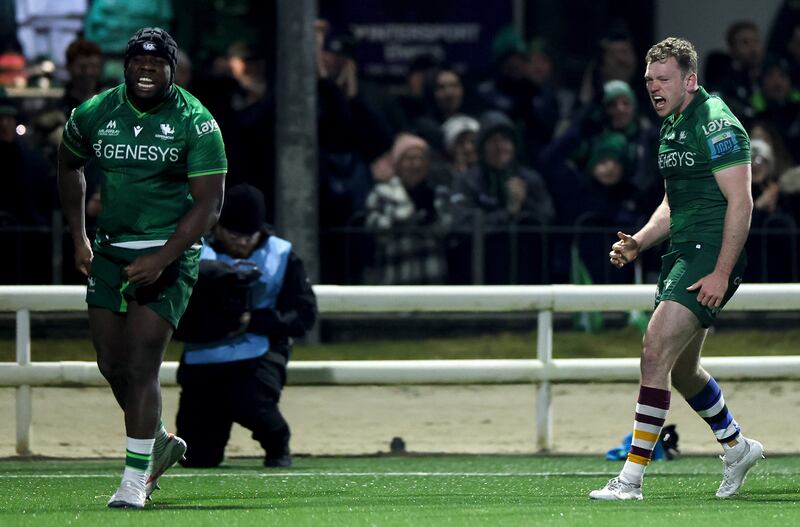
110 129
206 127
136 152
167 132
716 125
675 159
722 144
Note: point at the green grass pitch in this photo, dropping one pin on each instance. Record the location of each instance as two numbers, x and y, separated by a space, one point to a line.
404 491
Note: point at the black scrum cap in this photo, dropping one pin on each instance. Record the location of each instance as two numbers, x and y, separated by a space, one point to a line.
153 41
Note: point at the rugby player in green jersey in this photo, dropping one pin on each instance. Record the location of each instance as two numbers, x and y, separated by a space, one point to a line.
704 156
163 171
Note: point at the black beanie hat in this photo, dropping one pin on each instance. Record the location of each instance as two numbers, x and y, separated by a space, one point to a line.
244 210
153 41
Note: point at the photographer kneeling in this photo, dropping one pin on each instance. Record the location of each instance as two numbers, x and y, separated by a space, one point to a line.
252 298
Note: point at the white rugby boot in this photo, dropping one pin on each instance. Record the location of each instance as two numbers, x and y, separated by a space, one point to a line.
617 489
174 451
734 472
129 495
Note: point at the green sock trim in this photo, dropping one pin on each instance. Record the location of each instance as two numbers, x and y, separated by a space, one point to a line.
137 464
135 455
137 461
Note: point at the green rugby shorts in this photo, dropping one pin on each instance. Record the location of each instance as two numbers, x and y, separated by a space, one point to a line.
685 264
108 287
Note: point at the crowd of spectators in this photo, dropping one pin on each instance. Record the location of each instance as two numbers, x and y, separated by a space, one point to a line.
451 178
542 182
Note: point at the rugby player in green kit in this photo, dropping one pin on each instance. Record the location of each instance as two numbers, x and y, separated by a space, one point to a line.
704 156
163 172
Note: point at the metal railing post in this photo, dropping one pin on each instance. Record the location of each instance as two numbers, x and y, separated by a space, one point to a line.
478 240
24 393
513 253
544 406
57 245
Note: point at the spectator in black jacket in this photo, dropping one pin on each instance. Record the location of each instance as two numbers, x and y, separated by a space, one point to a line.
737 80
238 377
500 194
25 203
777 100
499 186
521 93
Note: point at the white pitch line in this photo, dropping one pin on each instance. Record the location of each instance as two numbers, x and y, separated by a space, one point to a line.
323 475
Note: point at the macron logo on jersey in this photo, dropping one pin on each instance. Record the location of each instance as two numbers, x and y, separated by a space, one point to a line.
136 130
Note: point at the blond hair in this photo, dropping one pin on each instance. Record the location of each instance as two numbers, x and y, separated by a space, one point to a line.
681 49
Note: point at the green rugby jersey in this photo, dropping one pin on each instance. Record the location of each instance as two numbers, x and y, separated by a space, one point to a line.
705 138
146 159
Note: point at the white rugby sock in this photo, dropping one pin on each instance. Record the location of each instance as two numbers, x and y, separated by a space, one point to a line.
137 460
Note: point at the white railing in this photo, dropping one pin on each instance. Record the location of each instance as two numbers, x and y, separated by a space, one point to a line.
544 370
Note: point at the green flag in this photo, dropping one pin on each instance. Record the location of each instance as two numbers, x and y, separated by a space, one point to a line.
590 322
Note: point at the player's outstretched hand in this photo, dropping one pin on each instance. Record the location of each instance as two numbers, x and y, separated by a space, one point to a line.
145 270
623 251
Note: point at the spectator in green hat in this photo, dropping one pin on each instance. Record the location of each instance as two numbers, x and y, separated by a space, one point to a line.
606 198
607 159
617 111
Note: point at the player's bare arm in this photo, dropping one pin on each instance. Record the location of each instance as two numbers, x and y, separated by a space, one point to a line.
72 189
207 193
734 182
655 231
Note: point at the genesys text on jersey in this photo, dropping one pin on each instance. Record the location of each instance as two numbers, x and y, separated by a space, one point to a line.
136 152
675 159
